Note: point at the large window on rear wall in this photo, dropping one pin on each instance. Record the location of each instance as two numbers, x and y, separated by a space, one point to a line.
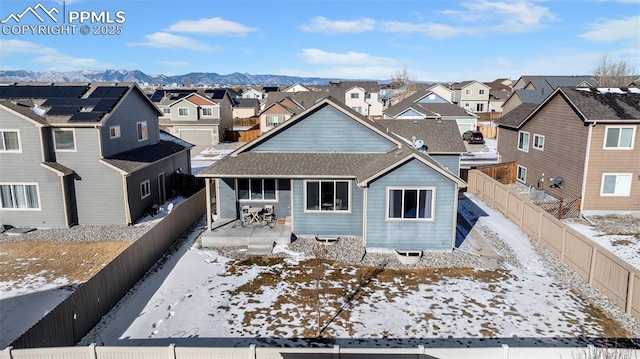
619 138
23 196
410 204
257 189
327 196
616 184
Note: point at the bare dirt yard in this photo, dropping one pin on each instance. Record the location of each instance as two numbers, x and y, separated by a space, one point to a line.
76 261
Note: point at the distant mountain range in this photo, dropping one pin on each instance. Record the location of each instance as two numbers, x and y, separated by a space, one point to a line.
195 78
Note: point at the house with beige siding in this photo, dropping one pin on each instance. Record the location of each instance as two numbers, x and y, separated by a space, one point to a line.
472 96
195 119
587 140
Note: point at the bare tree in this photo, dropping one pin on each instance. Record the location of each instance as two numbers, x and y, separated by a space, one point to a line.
611 73
403 85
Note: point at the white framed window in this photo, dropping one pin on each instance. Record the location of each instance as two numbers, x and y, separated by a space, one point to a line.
616 184
183 111
10 141
358 109
64 139
467 92
257 189
114 132
355 95
432 97
367 95
479 107
523 141
521 174
141 129
619 137
19 196
207 111
274 120
481 92
327 196
166 110
145 189
538 142
410 203
466 104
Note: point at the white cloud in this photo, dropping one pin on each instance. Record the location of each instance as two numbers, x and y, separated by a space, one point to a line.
482 17
438 31
613 30
171 41
323 25
319 57
211 26
50 57
174 63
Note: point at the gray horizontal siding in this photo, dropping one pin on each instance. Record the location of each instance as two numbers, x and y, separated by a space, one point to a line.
227 200
434 236
25 167
451 162
99 189
326 223
326 130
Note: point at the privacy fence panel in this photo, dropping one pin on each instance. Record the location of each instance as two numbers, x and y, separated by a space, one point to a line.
614 277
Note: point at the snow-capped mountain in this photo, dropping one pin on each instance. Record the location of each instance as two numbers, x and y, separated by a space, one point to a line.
195 78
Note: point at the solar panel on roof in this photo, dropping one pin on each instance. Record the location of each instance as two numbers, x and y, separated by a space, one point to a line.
157 96
105 104
116 92
99 92
83 102
86 117
63 110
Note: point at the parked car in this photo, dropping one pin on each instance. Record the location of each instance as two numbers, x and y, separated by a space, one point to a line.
467 135
476 137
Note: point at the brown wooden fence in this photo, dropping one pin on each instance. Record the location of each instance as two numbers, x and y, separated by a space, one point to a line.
617 279
73 318
488 132
504 173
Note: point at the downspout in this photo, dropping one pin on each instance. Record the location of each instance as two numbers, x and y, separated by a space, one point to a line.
455 216
125 191
586 166
365 214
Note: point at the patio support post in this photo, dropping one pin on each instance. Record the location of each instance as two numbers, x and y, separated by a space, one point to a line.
207 182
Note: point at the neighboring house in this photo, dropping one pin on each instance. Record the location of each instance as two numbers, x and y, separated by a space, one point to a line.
246 108
499 93
222 97
538 88
281 106
330 171
472 96
296 88
164 97
429 105
83 154
253 93
442 91
361 96
588 137
195 119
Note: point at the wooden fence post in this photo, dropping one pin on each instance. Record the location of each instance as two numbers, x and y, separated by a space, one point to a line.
592 268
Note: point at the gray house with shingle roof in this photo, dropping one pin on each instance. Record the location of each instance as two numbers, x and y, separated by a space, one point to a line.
83 154
331 171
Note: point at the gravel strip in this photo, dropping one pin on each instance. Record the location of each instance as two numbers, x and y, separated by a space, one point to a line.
80 233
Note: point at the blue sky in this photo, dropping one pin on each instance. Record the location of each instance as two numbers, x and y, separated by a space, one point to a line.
433 40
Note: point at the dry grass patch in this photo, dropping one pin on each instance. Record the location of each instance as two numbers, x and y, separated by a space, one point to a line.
76 261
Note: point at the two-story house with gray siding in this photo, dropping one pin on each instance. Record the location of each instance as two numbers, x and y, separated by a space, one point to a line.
83 154
331 171
588 137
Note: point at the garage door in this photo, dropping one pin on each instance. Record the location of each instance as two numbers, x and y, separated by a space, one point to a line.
464 127
197 137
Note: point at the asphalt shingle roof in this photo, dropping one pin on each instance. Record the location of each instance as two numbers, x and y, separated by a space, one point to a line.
136 159
596 106
516 117
443 137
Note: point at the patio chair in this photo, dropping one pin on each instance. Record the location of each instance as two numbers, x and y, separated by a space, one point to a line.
245 216
268 214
